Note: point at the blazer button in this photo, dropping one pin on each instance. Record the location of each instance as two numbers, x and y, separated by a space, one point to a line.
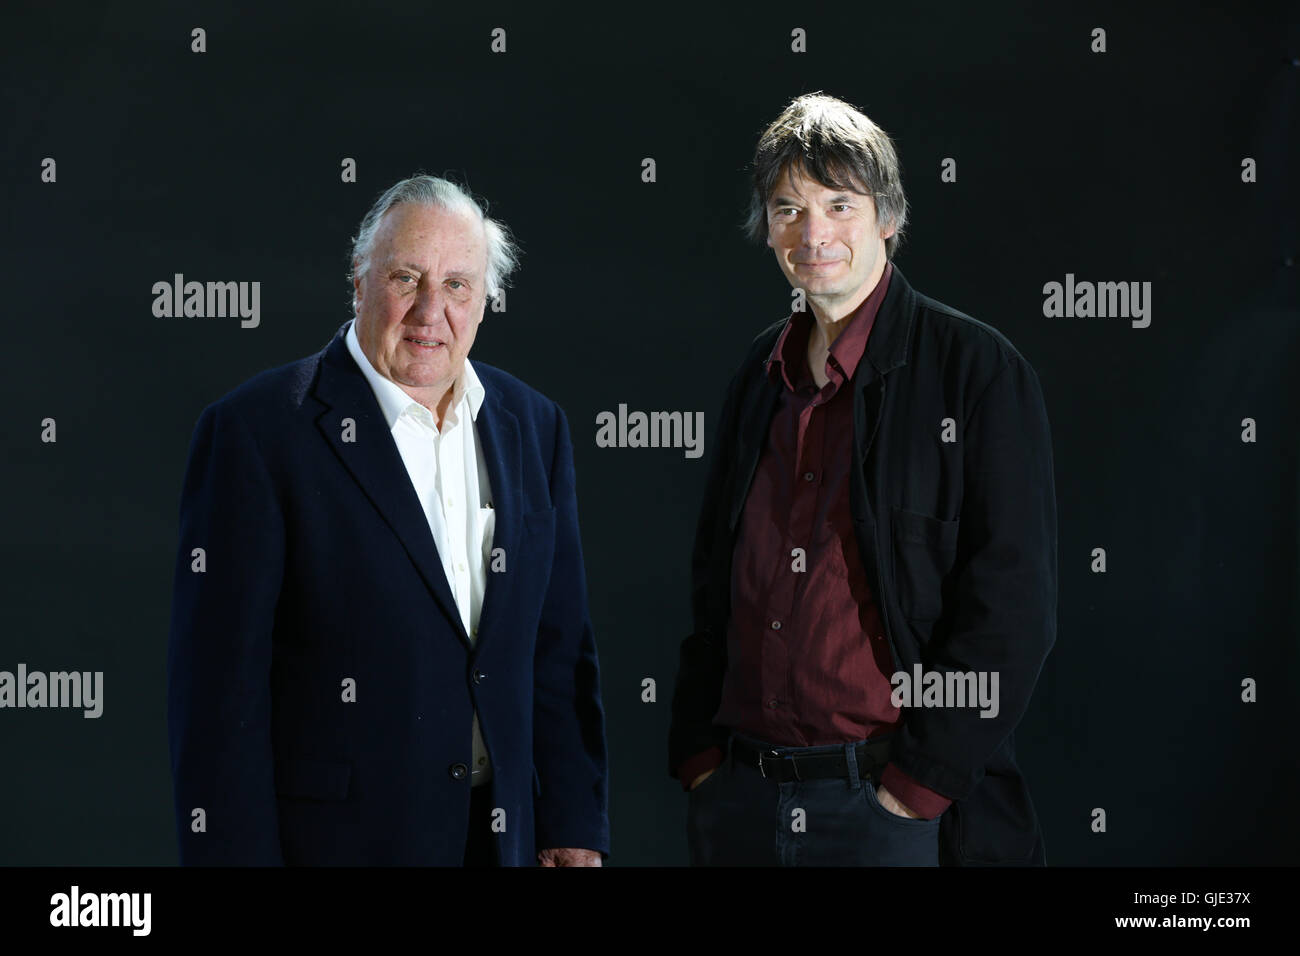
458 771
479 676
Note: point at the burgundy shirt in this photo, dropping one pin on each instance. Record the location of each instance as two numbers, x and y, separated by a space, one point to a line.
808 663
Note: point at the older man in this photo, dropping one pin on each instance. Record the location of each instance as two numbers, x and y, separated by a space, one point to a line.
880 508
380 648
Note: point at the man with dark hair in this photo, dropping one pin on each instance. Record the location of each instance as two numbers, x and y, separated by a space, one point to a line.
877 539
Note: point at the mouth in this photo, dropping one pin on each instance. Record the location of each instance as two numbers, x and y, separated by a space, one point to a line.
425 345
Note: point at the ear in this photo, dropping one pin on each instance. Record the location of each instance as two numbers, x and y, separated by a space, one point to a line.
769 241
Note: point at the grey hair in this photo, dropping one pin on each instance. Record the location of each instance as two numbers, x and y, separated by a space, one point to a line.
502 252
837 145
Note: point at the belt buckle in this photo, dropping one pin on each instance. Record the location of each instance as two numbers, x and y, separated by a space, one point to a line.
760 763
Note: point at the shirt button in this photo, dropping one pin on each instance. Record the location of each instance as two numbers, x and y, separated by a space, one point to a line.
807 476
479 676
460 567
458 771
772 704
776 625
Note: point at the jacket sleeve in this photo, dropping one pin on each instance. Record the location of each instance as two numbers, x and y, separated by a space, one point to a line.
219 649
702 661
568 718
1005 584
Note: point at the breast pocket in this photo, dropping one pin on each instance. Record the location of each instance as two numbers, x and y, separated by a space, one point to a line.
924 551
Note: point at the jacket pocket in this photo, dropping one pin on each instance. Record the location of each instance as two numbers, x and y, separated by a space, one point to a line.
924 551
540 523
541 518
313 778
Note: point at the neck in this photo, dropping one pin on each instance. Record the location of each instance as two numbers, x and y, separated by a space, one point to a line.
827 329
444 403
833 315
437 402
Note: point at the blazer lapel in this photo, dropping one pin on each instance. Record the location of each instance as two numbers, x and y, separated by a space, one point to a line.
498 432
372 458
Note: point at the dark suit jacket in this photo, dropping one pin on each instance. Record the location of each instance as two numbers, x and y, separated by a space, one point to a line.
320 568
958 540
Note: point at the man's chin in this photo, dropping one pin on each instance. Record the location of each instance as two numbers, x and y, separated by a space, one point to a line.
422 376
817 285
823 295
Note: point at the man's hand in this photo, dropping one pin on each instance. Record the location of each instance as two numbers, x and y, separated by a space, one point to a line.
568 856
701 778
893 804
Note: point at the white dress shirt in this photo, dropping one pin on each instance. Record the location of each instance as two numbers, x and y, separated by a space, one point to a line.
450 477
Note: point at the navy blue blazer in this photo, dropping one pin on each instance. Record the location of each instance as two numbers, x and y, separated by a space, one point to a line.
318 569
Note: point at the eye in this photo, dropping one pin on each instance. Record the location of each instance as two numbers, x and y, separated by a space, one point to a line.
455 283
842 205
405 276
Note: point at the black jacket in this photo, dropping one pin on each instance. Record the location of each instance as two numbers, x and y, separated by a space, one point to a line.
958 538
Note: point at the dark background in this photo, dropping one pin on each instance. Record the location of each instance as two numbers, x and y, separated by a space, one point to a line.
225 166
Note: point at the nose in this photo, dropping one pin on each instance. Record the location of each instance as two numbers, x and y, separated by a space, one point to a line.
429 304
816 229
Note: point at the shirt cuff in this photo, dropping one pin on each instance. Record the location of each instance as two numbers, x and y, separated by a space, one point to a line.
694 766
914 796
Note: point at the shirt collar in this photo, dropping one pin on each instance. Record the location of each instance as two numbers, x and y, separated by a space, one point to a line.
394 402
787 359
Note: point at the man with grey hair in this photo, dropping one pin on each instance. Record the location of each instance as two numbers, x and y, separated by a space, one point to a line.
380 648
878 536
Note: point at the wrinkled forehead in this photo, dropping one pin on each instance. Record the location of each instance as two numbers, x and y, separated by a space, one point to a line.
408 228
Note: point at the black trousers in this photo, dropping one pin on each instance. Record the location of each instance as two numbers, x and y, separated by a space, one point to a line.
740 817
480 841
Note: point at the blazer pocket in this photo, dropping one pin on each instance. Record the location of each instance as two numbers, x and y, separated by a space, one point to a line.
313 778
540 522
544 517
925 549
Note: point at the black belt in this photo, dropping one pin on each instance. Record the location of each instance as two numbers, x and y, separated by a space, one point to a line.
872 755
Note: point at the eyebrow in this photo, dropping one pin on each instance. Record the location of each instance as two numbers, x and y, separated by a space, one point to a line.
453 274
787 201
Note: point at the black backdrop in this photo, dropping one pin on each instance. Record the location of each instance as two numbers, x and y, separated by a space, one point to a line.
1115 166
